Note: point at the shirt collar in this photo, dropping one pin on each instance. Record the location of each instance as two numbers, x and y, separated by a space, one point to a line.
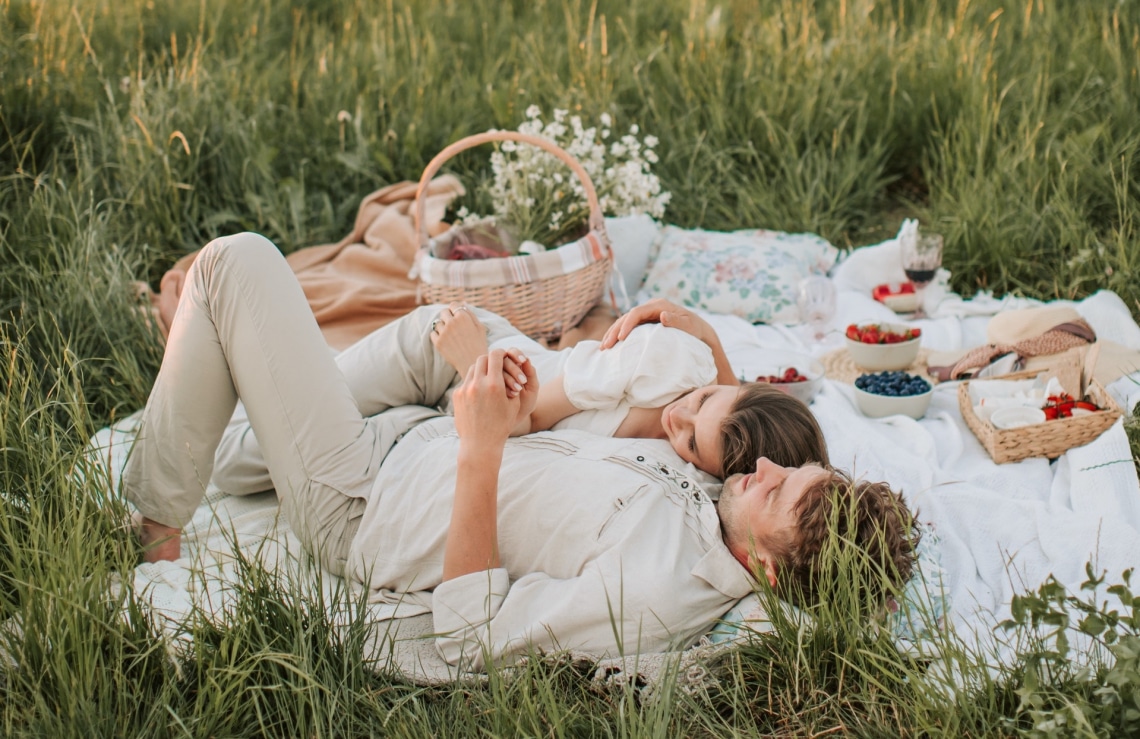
722 571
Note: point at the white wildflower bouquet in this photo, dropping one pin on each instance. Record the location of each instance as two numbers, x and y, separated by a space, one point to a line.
542 204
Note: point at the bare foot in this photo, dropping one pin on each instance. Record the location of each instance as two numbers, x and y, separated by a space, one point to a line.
161 543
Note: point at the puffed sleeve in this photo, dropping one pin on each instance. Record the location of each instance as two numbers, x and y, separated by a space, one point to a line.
649 368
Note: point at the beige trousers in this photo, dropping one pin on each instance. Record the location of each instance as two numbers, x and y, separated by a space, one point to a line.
321 427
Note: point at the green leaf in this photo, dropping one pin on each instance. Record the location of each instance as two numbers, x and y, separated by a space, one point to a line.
1093 625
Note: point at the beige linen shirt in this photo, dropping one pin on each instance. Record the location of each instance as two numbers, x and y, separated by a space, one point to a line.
608 546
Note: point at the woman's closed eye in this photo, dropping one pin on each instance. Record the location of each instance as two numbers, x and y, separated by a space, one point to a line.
693 434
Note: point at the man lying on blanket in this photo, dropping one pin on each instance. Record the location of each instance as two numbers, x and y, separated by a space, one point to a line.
558 540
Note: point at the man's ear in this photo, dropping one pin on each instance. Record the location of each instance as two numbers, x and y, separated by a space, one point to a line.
759 563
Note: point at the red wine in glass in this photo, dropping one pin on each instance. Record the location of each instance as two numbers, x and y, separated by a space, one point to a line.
920 277
921 258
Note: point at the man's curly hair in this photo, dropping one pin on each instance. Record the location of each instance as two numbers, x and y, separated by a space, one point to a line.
867 515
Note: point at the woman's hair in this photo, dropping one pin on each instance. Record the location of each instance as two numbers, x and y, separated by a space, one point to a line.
767 422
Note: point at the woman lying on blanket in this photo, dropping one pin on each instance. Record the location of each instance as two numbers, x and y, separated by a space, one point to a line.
651 376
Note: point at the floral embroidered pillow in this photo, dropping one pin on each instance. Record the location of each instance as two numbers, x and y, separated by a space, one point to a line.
752 274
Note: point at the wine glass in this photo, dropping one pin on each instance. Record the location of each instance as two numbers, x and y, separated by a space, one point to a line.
921 258
815 298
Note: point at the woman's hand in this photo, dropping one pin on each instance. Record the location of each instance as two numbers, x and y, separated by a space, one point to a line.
672 315
521 380
660 311
459 337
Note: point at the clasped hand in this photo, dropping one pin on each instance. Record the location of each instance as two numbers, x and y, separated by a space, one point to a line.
499 390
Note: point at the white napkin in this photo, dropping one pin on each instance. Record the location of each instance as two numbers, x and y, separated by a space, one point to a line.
988 396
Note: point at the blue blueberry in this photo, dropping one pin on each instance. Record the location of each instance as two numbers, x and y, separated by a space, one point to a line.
892 383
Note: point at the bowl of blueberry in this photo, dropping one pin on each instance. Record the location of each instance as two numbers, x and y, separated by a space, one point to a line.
892 393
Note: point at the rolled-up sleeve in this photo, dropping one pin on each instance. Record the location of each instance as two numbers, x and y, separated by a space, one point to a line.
649 368
462 611
482 617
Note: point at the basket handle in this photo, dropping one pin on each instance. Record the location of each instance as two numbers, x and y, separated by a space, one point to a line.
596 221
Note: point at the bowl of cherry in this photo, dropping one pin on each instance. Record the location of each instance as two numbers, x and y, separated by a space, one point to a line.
798 375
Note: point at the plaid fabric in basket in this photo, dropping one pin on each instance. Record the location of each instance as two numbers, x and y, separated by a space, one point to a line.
519 270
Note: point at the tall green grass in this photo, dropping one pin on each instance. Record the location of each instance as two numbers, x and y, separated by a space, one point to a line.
133 131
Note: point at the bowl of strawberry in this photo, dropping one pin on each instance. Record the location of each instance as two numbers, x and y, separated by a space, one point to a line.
798 375
883 346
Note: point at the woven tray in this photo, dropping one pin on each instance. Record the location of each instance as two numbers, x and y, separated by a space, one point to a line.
838 365
1049 439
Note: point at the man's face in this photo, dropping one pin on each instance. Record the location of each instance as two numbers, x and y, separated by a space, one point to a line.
692 425
755 508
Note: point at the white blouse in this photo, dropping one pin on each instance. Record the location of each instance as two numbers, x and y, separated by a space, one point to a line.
651 367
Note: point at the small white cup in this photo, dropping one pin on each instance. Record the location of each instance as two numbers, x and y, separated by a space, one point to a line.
1017 416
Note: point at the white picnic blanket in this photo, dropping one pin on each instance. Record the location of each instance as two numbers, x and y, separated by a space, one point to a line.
1000 529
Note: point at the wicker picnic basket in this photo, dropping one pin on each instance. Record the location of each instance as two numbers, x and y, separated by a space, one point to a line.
541 294
1049 439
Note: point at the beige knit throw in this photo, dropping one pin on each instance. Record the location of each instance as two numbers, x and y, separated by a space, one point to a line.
1060 338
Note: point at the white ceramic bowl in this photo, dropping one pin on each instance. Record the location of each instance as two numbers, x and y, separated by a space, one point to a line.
878 357
776 361
1016 416
879 406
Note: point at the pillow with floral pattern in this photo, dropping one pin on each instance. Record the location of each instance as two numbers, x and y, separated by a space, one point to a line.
753 274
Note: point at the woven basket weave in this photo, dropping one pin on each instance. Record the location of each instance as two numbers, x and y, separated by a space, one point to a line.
1049 439
541 294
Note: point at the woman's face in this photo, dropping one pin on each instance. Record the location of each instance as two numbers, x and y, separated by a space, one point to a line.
692 424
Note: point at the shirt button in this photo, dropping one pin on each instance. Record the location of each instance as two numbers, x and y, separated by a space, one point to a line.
640 459
684 485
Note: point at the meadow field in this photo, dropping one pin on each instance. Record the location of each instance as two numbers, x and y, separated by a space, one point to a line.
133 131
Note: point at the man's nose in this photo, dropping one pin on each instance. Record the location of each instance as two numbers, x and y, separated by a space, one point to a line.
763 463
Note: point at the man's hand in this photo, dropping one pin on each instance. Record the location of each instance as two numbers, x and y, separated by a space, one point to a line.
485 412
484 417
